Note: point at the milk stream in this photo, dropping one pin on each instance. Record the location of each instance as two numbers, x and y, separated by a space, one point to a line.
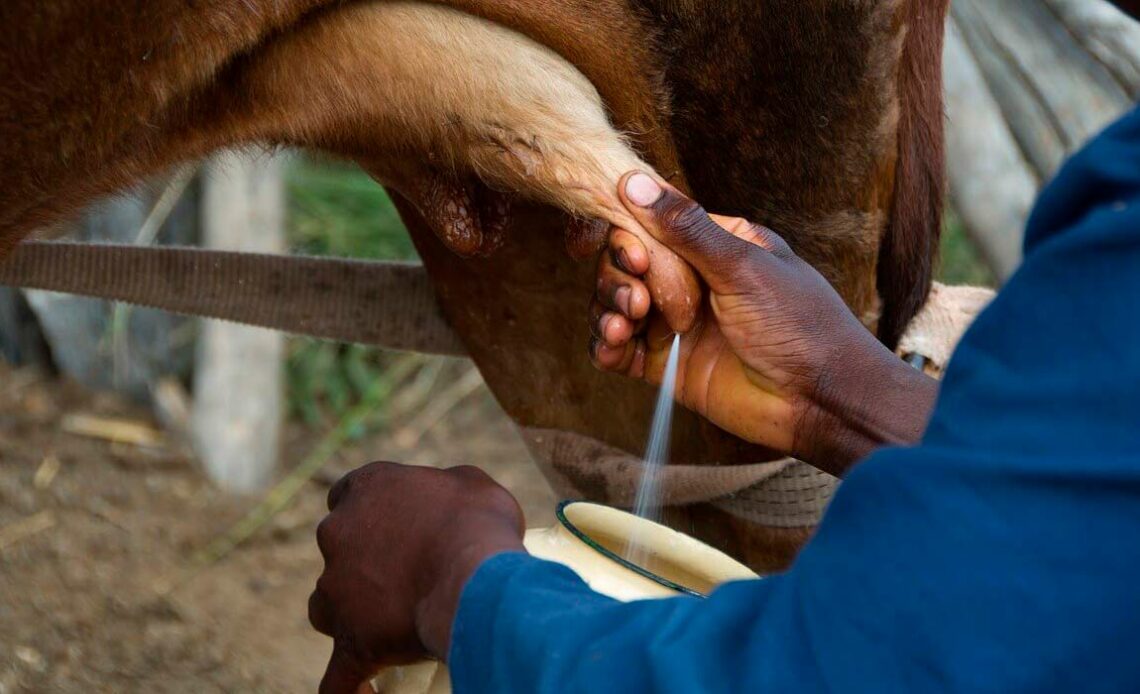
648 502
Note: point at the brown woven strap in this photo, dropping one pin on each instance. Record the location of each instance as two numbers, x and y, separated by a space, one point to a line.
784 493
387 304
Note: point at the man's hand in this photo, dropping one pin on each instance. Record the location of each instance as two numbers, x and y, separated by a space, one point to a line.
399 544
775 357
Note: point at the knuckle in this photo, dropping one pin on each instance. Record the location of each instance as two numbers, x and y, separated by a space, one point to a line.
753 256
338 491
319 616
504 505
751 265
681 216
326 534
468 473
383 469
775 243
361 477
378 467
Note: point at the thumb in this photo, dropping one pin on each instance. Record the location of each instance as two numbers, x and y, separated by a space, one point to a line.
675 220
344 675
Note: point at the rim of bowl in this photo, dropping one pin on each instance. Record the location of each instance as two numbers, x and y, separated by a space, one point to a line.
560 513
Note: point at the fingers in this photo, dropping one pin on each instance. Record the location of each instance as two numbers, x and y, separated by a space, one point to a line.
344 674
670 281
620 291
627 359
620 306
319 616
672 284
621 303
720 256
627 253
338 490
613 329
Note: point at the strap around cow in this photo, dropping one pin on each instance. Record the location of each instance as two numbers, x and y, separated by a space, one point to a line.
393 305
387 304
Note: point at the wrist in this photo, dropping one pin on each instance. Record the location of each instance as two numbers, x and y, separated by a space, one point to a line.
862 402
436 611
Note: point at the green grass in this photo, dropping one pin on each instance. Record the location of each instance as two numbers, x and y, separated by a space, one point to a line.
960 261
336 209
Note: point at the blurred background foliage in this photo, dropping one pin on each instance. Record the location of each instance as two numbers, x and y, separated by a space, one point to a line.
960 262
336 209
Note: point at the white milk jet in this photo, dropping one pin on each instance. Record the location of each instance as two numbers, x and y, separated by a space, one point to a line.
648 503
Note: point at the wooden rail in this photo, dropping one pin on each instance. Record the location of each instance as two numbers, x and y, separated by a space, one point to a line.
1028 82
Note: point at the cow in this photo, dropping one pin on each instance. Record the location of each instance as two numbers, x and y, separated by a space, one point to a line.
502 126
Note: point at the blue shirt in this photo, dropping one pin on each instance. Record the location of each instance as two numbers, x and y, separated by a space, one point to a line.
1001 554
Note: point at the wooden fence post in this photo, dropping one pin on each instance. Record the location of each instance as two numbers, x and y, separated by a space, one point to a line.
1028 82
991 185
238 377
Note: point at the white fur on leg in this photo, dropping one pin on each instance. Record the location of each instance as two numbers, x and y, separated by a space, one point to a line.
450 89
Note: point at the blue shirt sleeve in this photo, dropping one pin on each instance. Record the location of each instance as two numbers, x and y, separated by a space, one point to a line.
1000 554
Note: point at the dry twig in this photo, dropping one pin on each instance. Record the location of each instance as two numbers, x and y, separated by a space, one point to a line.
46 472
439 408
114 430
25 528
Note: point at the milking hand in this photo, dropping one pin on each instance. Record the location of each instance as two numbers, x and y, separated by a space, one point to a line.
775 356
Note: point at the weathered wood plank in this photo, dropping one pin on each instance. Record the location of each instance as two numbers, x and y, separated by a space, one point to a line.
992 187
1106 33
1052 93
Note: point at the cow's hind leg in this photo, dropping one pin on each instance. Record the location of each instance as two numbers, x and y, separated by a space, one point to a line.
433 100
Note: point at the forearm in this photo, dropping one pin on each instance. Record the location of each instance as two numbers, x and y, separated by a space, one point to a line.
531 626
872 400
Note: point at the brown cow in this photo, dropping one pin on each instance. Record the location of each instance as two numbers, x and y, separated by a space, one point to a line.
820 118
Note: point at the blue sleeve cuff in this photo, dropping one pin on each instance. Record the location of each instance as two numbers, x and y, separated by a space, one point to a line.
472 659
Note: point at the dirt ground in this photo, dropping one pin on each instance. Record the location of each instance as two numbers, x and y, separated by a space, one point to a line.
97 541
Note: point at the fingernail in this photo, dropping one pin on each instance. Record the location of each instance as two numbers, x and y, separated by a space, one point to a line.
606 327
625 262
621 259
642 190
622 299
